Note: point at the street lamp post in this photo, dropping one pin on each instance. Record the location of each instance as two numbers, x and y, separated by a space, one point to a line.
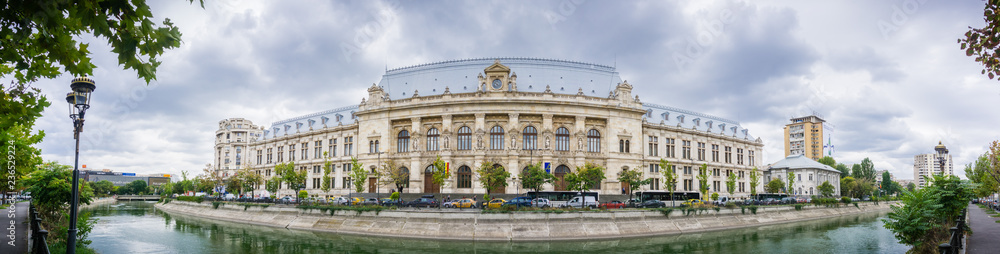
79 102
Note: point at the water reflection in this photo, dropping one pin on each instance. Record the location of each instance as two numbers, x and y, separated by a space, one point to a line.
137 227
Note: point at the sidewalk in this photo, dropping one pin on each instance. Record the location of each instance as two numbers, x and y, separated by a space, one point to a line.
985 236
20 227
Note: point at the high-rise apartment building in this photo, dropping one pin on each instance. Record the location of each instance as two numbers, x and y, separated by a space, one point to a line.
804 135
924 165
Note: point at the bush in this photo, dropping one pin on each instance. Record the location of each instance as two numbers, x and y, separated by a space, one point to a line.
216 204
166 200
846 200
798 207
665 211
394 196
303 194
197 199
753 209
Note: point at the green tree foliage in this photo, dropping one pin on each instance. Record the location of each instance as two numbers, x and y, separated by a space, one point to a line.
863 187
358 175
731 183
865 170
585 178
715 196
754 181
273 185
137 187
534 177
909 187
392 173
441 173
844 170
829 161
923 218
888 186
703 179
492 176
774 186
302 194
983 42
41 35
294 178
847 186
211 180
103 188
327 169
19 107
791 184
826 189
978 173
669 176
634 178
245 180
51 185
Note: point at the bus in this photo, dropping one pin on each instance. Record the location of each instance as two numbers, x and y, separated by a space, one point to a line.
775 196
559 198
665 196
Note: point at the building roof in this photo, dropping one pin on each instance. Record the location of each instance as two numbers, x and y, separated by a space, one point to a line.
800 161
533 75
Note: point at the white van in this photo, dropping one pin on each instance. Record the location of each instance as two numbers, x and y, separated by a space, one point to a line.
582 201
722 201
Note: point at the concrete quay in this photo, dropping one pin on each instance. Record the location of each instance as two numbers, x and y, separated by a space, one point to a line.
517 226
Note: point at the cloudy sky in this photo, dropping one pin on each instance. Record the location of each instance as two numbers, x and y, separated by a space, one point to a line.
887 74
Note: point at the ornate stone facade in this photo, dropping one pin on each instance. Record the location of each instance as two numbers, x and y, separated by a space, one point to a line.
489 116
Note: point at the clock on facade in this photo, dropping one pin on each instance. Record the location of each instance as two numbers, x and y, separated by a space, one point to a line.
497 84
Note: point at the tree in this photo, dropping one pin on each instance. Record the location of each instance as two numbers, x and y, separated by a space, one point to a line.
847 186
492 176
327 169
294 178
633 178
844 170
754 181
669 178
585 178
441 173
865 170
826 189
534 177
703 179
978 173
103 188
927 213
791 184
829 161
137 187
213 178
247 179
51 191
394 174
887 184
40 37
983 42
273 185
774 186
731 184
863 187
909 187
358 175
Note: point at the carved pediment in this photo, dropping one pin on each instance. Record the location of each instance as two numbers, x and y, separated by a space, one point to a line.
496 67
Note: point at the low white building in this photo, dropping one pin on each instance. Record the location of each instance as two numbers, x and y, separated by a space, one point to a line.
809 175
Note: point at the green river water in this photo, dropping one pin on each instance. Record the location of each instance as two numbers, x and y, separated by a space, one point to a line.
136 227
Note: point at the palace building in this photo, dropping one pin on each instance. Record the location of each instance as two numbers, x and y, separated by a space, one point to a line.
508 113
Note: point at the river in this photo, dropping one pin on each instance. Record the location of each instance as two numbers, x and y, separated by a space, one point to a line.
137 227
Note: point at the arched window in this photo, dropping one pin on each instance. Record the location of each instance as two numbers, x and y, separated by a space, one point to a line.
404 180
593 141
432 139
627 145
496 138
530 138
465 138
562 139
464 177
403 142
560 183
621 145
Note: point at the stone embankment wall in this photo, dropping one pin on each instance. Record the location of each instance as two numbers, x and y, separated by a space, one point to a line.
522 226
98 202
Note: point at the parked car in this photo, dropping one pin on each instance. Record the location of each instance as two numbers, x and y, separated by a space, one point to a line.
519 202
769 201
390 202
632 203
541 203
581 202
787 200
370 201
652 203
425 201
616 204
692 202
464 203
496 203
340 201
356 201
286 200
721 201
450 203
751 202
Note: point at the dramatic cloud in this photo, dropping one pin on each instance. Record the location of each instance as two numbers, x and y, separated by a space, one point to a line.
887 76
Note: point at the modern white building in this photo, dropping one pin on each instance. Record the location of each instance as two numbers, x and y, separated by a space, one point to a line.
809 175
231 141
505 113
925 165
